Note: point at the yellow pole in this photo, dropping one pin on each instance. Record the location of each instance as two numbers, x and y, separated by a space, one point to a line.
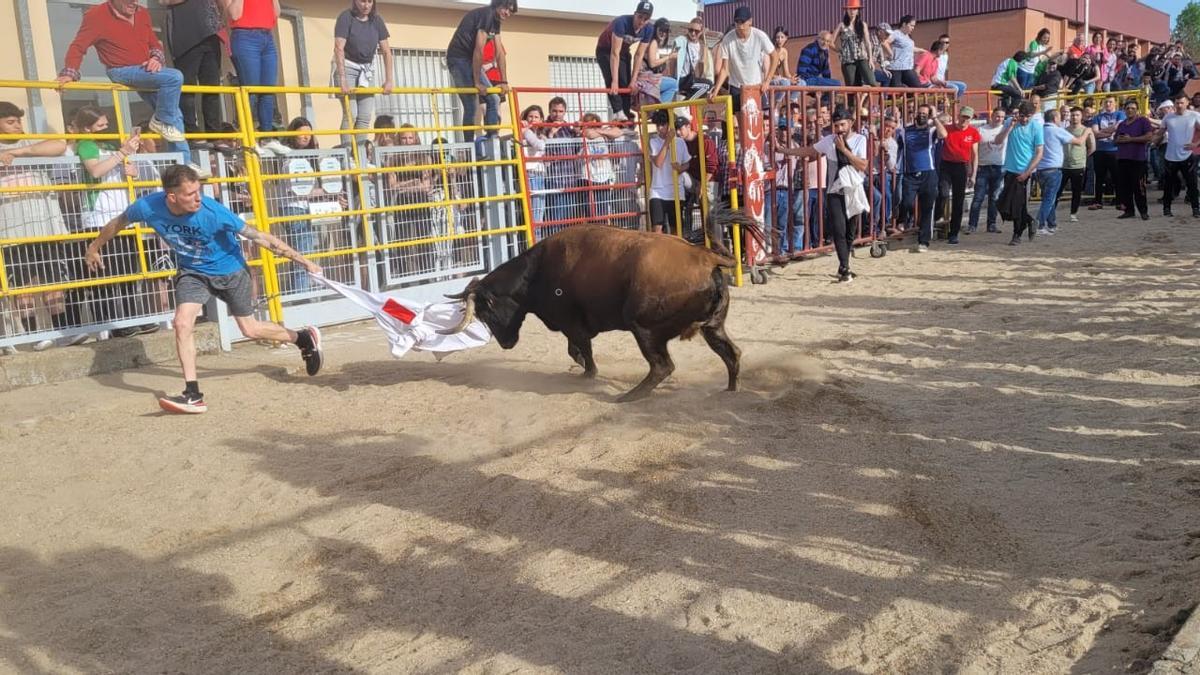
258 203
644 127
675 175
356 155
733 196
522 177
137 230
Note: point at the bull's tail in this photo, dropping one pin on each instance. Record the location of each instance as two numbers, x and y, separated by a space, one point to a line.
722 219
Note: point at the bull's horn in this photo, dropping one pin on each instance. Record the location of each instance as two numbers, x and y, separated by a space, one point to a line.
468 316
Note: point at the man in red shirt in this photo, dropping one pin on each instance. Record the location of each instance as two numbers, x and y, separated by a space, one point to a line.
960 159
124 39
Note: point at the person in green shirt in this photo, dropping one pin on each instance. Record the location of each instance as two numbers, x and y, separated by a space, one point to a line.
1006 81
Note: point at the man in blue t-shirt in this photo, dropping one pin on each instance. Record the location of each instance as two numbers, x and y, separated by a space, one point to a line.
1104 124
617 65
1026 140
204 236
917 143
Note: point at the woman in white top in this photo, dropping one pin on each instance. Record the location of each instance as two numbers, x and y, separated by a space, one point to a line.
533 140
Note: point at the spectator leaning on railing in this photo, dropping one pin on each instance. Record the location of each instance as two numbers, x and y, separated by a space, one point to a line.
252 41
740 56
358 35
30 215
124 39
617 65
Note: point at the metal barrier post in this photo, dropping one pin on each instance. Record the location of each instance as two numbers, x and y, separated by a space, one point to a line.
522 175
258 203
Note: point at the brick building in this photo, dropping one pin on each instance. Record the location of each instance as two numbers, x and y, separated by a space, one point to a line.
982 32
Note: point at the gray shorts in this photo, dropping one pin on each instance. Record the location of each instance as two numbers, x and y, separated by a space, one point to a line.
235 290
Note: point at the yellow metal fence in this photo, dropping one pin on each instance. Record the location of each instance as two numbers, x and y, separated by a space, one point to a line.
409 210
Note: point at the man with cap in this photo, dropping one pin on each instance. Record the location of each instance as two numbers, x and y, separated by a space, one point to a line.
618 66
740 55
844 147
960 161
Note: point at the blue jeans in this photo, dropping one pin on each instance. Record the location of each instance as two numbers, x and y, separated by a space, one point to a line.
989 181
460 73
822 82
781 220
1051 181
161 92
667 88
301 235
961 87
537 202
1026 80
257 64
814 216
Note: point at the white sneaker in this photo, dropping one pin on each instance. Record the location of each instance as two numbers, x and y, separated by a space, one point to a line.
43 345
273 145
202 171
1074 218
1042 230
620 117
169 133
922 248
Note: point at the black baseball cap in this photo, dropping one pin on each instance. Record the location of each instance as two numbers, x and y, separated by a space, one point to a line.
645 7
742 14
681 121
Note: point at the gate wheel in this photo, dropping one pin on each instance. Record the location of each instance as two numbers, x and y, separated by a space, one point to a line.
878 249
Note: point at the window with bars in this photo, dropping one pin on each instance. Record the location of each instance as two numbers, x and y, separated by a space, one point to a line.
579 72
421 68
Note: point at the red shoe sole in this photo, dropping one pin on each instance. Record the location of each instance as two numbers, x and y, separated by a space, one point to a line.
181 410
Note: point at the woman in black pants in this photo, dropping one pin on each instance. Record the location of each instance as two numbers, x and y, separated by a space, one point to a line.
1133 140
903 51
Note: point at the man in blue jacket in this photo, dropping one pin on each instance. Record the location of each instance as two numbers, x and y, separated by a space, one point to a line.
813 66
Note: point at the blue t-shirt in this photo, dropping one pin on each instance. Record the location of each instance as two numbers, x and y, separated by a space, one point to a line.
205 241
620 30
1107 120
1054 137
917 146
1023 142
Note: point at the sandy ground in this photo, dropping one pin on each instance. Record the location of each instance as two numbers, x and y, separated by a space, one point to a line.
972 460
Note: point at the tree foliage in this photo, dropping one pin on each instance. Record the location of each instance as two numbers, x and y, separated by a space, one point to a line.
1187 28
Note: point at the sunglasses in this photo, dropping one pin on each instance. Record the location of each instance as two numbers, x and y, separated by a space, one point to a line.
693 31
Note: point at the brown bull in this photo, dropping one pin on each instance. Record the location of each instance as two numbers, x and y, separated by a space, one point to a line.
590 279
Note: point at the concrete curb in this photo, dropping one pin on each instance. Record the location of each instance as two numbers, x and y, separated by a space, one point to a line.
1183 656
69 363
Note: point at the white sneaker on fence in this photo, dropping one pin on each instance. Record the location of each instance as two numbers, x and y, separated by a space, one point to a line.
43 345
169 133
203 172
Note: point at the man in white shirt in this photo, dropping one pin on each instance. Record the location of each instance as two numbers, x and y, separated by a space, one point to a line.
740 56
844 147
667 172
1180 128
989 175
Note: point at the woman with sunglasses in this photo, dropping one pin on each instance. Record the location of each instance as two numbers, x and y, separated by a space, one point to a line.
693 62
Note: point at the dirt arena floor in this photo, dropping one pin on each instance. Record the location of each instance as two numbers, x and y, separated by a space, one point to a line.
973 460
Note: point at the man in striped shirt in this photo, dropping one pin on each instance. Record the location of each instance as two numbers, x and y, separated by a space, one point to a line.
920 179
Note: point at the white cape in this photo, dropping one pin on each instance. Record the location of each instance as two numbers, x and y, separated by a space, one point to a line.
412 325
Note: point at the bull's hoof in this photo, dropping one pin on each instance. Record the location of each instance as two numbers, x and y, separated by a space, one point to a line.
589 374
632 395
